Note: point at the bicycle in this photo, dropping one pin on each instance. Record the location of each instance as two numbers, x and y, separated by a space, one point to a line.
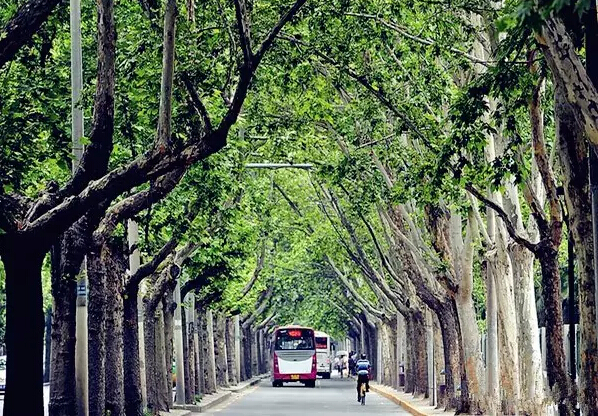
362 393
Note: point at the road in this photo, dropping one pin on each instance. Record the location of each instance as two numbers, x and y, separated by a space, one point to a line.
334 397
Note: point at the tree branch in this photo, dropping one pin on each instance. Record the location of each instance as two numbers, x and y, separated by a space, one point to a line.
152 165
256 273
202 279
403 32
165 110
561 54
136 203
22 26
244 32
543 162
94 162
361 79
292 204
360 300
151 266
198 105
267 42
504 217
265 298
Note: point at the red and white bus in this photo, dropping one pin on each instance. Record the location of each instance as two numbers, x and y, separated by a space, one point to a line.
294 356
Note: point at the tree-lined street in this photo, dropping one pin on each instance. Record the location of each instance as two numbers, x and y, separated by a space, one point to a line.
417 179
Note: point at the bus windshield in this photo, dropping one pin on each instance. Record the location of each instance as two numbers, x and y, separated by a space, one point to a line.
295 339
321 343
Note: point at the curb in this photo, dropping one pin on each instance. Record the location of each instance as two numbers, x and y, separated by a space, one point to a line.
248 383
200 408
404 404
180 412
226 395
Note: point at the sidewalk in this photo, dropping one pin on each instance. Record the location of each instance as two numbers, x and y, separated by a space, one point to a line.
418 407
211 400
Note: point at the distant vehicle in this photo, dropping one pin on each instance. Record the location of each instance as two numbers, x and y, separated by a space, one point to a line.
2 374
294 356
323 354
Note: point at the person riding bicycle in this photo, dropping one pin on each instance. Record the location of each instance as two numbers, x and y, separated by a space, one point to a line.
363 367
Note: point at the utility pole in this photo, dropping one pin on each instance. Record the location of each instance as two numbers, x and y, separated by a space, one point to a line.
77 150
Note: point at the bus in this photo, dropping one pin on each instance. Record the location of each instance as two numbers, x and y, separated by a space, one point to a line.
323 354
294 356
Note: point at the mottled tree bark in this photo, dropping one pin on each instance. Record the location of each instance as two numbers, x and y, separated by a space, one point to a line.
558 378
115 400
188 392
161 381
573 153
96 324
242 355
191 359
132 376
201 381
208 362
151 379
62 355
220 350
230 348
168 308
453 355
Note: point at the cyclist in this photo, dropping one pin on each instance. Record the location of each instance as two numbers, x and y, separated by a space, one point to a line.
363 367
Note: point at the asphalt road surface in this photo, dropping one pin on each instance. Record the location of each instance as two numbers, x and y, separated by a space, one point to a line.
334 397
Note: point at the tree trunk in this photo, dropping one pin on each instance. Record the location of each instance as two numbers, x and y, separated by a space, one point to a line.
190 312
530 356
160 354
243 355
168 307
96 306
573 153
254 351
470 342
48 345
416 329
507 324
409 356
388 354
151 368
132 375
199 317
558 377
115 399
23 260
197 357
184 326
453 357
62 355
208 362
220 350
248 337
230 349
492 368
191 359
